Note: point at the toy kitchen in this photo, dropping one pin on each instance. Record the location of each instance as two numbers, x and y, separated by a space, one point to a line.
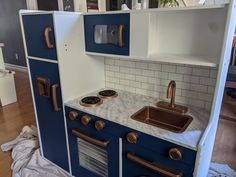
129 93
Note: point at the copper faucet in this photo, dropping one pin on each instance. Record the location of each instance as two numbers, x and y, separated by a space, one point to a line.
172 106
171 93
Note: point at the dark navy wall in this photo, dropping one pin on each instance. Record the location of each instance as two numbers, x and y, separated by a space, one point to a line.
10 32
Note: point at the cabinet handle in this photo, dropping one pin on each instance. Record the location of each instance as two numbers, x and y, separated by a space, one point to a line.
43 86
54 97
158 168
47 30
120 35
89 138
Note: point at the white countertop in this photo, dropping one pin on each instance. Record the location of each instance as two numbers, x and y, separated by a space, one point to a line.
1 45
120 109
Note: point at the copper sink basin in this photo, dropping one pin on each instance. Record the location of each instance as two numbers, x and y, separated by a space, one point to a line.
163 118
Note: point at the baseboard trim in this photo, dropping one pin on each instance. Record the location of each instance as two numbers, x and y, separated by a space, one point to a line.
16 67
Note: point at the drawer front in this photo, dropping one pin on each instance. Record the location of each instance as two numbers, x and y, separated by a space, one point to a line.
138 161
76 154
39 36
108 34
162 147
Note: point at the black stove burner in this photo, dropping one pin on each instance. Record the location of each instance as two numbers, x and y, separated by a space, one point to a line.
108 93
91 100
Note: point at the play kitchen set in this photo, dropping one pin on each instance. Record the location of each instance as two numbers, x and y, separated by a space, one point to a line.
129 93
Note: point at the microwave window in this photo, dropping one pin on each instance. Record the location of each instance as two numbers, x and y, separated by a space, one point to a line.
106 34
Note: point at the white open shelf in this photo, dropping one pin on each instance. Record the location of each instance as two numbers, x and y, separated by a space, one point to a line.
168 58
172 9
188 35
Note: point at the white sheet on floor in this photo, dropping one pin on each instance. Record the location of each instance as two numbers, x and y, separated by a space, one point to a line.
221 170
27 161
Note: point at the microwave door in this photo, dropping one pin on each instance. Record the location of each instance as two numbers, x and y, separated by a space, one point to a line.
106 34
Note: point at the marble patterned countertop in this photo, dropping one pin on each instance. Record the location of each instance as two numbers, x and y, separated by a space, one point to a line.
120 109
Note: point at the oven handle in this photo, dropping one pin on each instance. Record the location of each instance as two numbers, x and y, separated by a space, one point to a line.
158 168
89 138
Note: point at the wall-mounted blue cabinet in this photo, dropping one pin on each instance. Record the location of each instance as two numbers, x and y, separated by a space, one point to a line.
39 36
107 33
49 107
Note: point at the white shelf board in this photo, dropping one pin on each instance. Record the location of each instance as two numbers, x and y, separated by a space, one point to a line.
185 59
170 9
168 58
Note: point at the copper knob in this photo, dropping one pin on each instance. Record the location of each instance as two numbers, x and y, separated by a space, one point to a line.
85 119
132 137
73 115
175 153
100 125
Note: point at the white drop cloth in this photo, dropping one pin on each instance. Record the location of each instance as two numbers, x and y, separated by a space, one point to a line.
27 161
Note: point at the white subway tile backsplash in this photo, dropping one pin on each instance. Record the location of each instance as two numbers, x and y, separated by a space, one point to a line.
201 72
161 75
191 79
141 65
198 88
184 70
176 77
194 85
169 68
207 81
124 82
148 73
153 66
213 73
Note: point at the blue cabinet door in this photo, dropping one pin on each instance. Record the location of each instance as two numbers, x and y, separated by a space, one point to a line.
39 36
108 34
44 77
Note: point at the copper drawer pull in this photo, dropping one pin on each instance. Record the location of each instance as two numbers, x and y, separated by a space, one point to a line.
89 138
120 35
47 30
54 97
158 168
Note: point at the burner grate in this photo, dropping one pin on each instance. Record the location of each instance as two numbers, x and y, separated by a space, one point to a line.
91 101
108 94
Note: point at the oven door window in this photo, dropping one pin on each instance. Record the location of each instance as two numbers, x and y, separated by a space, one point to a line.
93 158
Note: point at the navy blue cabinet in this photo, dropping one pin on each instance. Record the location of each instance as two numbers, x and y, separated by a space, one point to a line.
49 107
39 36
107 33
93 153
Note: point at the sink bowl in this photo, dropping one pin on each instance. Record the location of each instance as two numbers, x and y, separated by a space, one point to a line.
162 118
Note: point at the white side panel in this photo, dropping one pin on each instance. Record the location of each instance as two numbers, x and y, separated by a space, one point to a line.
207 142
79 73
139 34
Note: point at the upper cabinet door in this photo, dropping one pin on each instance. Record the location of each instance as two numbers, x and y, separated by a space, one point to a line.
39 36
107 33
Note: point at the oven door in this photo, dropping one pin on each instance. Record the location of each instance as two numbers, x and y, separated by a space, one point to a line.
93 154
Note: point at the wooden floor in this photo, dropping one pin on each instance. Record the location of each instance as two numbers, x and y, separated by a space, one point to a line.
13 117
